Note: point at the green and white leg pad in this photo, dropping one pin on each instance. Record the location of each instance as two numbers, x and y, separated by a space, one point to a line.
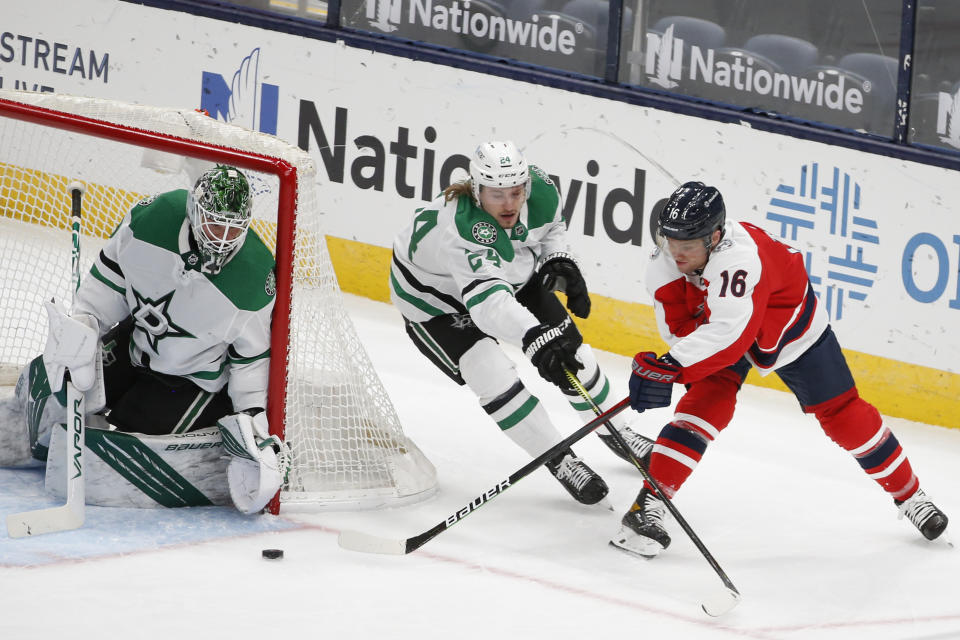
143 471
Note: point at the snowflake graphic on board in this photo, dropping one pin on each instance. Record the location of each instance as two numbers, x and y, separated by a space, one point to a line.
825 207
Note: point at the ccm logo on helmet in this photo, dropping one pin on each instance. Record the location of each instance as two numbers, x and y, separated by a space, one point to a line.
643 372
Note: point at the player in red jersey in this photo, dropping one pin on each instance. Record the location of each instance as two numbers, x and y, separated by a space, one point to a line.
728 296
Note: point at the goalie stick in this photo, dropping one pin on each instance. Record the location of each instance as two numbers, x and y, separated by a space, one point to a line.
715 604
358 541
70 515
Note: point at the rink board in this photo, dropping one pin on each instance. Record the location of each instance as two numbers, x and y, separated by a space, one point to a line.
879 234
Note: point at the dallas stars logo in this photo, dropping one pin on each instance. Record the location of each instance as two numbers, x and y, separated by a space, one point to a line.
461 321
484 233
153 318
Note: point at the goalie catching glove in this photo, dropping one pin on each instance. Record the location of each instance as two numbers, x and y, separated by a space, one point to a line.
559 272
259 462
651 385
552 349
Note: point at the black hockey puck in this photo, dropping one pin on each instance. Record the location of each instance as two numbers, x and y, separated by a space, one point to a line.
272 554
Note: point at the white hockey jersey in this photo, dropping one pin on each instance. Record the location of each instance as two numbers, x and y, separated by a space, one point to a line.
212 329
454 258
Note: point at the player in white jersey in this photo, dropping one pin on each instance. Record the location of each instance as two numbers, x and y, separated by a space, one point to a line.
727 295
480 264
179 301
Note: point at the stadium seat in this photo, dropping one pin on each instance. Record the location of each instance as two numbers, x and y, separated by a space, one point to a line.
693 31
879 102
875 76
524 9
491 8
792 55
593 13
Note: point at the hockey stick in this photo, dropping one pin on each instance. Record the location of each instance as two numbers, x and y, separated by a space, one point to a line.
70 515
357 541
715 605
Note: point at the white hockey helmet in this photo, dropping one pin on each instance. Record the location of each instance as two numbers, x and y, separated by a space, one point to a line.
220 209
498 164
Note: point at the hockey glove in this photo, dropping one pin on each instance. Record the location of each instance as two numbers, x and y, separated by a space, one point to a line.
553 348
561 273
651 385
73 343
259 462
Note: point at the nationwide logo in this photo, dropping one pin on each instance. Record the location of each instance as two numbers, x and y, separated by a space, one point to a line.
948 118
245 100
825 208
389 16
665 66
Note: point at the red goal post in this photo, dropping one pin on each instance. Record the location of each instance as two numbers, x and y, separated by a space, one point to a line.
325 399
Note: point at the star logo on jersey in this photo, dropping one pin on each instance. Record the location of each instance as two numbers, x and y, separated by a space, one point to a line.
153 318
484 233
461 321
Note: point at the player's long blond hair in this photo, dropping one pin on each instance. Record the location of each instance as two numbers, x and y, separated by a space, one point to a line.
457 189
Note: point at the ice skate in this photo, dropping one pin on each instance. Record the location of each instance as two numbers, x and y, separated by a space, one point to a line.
925 515
582 482
642 531
640 446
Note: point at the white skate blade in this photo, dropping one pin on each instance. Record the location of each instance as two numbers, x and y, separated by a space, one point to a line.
721 602
627 540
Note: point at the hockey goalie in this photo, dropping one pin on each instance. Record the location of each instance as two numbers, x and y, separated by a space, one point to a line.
169 339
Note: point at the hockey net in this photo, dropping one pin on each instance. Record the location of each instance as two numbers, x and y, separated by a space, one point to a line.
349 450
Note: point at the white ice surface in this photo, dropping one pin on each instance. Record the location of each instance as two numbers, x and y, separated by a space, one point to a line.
813 545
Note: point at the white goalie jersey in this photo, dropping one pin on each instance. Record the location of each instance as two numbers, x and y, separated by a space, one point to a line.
454 258
212 329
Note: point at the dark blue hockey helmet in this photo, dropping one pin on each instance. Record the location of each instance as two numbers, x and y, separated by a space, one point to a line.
695 210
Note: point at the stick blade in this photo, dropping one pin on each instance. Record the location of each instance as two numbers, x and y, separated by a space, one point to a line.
366 543
35 523
721 602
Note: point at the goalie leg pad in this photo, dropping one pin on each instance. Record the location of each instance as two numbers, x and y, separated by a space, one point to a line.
14 439
258 464
144 471
43 407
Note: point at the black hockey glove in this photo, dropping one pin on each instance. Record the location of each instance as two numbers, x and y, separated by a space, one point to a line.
552 348
651 384
561 273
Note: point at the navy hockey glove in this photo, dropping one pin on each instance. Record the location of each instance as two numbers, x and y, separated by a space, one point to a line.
552 348
561 273
651 384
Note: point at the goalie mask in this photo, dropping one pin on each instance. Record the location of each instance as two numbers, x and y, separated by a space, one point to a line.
498 164
219 209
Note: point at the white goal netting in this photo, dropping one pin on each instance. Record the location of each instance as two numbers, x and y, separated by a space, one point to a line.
349 450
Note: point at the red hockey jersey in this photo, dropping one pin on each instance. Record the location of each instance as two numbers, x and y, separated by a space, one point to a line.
754 298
